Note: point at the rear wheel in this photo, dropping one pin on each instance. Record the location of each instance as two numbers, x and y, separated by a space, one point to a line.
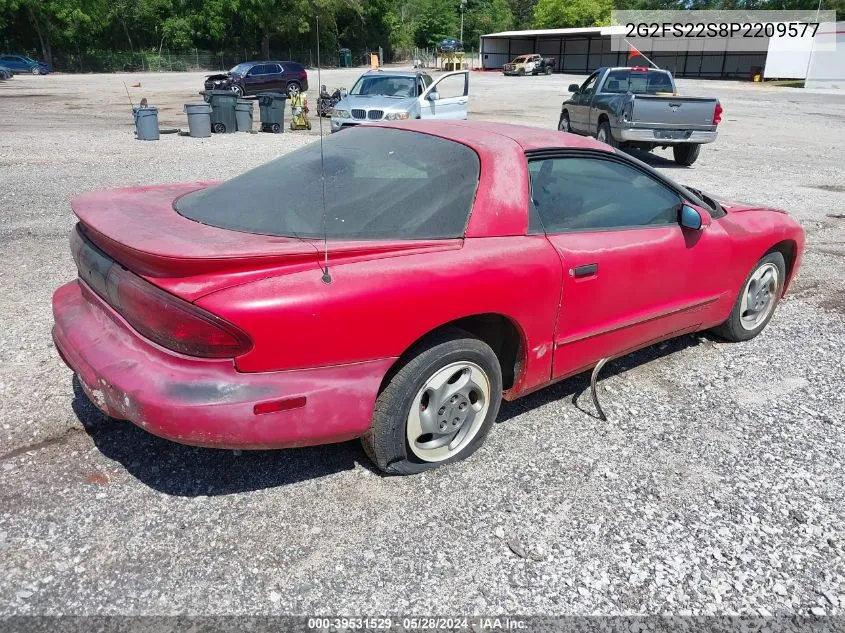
686 153
756 302
438 407
293 88
36 71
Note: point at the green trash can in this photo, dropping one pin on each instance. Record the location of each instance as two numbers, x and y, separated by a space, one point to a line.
271 108
223 102
344 58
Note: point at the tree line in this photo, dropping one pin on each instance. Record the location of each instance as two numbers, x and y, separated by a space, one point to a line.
47 28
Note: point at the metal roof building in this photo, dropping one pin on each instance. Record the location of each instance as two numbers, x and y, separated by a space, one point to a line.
580 51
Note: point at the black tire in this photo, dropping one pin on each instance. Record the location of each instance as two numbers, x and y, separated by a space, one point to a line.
386 442
219 128
238 91
732 329
563 125
293 85
686 153
36 71
604 126
275 128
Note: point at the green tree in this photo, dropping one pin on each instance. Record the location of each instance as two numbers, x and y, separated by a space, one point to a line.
552 14
437 19
485 16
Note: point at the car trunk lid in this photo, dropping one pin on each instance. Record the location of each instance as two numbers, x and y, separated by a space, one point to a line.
139 228
671 112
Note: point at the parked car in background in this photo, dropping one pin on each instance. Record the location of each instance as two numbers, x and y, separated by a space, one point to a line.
449 246
387 95
529 65
23 64
450 45
639 107
250 78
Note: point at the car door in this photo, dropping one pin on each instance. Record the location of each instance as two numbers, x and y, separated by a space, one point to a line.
274 77
447 97
579 108
255 78
13 62
632 275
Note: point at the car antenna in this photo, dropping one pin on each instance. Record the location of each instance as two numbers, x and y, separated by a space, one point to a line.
327 278
130 97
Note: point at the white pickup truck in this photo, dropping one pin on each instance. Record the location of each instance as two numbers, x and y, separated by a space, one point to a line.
639 107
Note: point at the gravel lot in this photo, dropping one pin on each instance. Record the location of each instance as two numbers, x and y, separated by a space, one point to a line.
716 486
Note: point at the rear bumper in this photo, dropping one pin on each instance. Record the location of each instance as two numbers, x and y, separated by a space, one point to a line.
206 402
652 135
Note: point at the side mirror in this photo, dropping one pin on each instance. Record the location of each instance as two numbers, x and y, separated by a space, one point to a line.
574 88
693 219
433 95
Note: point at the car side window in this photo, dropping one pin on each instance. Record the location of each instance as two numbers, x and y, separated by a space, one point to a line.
275 69
588 85
596 194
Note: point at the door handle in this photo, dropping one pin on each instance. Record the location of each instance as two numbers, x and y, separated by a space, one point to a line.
584 271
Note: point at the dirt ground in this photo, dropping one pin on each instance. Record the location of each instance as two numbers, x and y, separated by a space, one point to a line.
716 486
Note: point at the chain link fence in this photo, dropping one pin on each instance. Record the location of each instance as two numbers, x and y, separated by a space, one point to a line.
168 60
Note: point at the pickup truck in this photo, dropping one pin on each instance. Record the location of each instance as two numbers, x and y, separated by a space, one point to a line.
639 107
529 65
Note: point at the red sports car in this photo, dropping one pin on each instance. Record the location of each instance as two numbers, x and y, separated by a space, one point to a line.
454 263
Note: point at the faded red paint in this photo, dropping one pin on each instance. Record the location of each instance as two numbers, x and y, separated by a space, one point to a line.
334 344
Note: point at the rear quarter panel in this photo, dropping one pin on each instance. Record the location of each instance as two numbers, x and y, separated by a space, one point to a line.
378 308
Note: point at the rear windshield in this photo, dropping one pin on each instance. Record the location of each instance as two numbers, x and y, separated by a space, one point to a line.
380 184
639 82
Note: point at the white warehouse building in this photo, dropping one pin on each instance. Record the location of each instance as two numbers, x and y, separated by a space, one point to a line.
579 51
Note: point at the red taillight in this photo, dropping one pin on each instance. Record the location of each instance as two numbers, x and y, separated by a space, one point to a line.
303 74
717 114
172 322
158 315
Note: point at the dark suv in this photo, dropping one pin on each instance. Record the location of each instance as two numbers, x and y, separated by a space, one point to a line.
250 78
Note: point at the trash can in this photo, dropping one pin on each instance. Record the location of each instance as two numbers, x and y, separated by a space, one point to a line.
199 119
271 107
223 104
146 123
243 115
344 58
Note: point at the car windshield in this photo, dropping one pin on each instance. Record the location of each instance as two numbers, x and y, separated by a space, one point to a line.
638 82
385 86
379 184
240 69
519 60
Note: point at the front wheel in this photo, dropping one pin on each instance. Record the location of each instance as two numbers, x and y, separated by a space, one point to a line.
604 135
520 72
438 407
563 124
756 302
292 88
238 91
686 153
